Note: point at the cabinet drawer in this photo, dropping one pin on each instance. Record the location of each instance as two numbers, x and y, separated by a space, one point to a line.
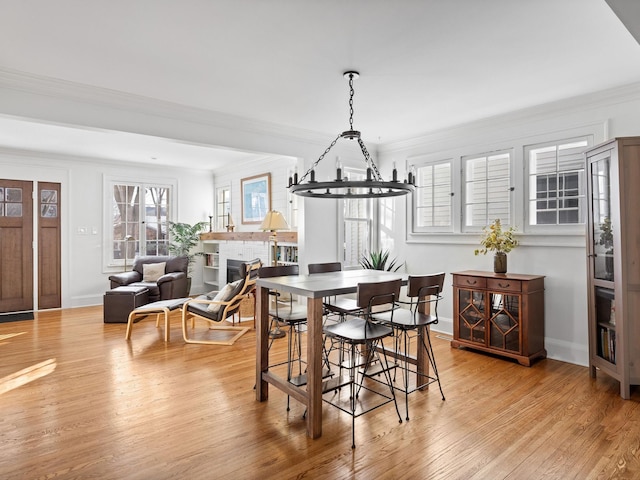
504 285
470 282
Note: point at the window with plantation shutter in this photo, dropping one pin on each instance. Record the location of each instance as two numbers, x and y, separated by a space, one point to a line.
488 193
432 200
556 186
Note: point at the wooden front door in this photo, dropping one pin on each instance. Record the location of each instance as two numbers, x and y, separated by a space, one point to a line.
16 246
49 294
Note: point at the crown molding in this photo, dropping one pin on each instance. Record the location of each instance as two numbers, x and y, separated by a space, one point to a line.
530 115
127 102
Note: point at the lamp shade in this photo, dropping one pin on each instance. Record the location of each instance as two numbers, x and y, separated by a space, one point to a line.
274 221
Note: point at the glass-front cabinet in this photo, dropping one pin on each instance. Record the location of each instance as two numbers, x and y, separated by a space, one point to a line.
499 313
613 257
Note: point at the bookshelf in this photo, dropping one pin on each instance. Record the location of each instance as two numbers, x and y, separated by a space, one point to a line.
211 273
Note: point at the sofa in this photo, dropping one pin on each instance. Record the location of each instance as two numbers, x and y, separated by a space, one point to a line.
164 276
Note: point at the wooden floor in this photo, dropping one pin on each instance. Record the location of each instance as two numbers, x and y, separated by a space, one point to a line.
78 401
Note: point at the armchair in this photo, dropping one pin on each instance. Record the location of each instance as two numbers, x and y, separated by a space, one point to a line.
215 307
164 283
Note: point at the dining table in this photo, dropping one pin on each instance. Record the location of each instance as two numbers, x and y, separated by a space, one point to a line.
314 288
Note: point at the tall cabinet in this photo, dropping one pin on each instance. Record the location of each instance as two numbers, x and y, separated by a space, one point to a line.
613 260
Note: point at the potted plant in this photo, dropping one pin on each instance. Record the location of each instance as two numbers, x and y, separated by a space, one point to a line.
378 261
183 237
606 240
500 241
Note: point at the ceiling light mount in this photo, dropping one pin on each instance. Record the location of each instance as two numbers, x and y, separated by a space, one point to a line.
373 187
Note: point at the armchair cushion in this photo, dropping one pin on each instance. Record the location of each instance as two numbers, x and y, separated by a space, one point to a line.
221 296
151 272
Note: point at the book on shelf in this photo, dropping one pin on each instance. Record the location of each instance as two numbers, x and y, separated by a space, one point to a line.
608 344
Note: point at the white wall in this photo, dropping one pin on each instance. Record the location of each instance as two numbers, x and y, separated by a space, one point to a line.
84 280
561 259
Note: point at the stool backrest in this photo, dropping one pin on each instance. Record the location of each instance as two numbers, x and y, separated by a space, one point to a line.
324 267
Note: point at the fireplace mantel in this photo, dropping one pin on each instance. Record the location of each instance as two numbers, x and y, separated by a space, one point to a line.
249 236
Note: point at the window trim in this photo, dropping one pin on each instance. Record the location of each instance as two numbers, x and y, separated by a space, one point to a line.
419 163
548 229
109 181
513 212
372 222
217 206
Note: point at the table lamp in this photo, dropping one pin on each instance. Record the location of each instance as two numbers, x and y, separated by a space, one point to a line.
274 221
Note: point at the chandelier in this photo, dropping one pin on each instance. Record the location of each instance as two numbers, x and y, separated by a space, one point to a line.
342 187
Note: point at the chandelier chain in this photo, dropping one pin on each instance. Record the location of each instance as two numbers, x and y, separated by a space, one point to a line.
370 163
351 93
315 164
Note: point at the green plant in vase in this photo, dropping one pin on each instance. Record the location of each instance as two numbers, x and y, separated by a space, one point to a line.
498 240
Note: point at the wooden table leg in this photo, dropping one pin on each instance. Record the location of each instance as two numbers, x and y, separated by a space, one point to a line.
262 342
314 367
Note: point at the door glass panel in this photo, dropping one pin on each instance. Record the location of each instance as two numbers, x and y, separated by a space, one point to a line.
14 195
605 324
504 323
13 209
602 233
48 203
11 202
471 316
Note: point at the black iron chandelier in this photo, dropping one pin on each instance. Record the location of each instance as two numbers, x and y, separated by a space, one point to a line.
372 187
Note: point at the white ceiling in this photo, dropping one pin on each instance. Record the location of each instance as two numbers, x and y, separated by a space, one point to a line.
424 64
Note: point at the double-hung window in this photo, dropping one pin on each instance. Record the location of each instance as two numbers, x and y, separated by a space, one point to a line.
138 218
488 193
556 186
357 225
433 197
223 207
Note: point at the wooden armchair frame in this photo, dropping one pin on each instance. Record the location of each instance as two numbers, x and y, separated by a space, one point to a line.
230 307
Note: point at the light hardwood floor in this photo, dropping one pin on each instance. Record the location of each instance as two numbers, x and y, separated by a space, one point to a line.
78 401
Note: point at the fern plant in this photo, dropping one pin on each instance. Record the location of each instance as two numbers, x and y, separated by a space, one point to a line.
378 261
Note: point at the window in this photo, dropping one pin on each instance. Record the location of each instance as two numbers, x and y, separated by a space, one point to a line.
223 207
433 197
139 217
488 191
357 218
556 193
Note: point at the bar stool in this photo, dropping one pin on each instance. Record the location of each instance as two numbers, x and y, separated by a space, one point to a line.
363 337
422 291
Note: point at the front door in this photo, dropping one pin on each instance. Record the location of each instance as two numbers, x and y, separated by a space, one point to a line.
16 246
49 291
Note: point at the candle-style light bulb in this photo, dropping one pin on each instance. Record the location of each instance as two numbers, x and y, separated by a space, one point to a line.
338 169
313 176
295 176
395 173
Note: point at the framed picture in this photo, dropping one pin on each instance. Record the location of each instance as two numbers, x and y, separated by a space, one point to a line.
255 194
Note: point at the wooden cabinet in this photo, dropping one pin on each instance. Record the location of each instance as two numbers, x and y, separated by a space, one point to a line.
613 260
500 314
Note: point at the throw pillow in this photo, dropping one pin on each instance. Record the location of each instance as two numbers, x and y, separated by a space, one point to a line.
229 291
151 272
